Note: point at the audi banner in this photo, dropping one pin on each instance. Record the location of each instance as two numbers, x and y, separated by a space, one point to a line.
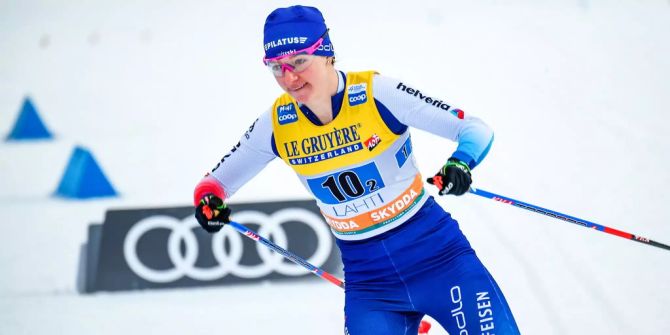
165 247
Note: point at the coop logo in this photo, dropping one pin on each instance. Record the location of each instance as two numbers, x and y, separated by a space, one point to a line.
286 114
357 94
437 103
372 142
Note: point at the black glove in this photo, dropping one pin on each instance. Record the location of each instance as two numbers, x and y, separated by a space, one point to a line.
212 214
453 178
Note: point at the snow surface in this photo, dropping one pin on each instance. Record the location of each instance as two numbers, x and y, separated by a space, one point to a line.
576 91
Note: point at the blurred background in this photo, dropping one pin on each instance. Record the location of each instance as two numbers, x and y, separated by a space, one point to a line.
158 91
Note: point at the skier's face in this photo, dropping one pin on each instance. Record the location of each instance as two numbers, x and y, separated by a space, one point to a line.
311 82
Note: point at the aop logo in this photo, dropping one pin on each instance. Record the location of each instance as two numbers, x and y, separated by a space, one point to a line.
184 264
287 114
357 94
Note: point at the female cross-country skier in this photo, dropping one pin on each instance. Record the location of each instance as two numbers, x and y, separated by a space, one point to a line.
346 136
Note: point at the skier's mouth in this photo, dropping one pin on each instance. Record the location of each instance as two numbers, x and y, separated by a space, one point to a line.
298 88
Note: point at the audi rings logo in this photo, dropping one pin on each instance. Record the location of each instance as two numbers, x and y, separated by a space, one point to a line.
184 263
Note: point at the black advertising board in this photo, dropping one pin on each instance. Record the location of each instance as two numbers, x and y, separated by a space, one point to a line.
165 247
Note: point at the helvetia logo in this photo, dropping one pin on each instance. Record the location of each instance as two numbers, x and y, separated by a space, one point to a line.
427 99
357 94
286 114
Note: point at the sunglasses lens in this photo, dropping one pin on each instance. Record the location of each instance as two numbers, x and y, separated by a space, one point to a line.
301 62
295 64
276 68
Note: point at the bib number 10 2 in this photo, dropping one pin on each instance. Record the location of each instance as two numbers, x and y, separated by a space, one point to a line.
347 185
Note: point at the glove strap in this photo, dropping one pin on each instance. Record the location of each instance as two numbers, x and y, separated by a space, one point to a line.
456 163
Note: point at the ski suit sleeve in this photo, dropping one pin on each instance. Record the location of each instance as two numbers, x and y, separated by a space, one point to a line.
403 104
248 157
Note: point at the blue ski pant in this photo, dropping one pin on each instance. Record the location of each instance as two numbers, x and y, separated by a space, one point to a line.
424 267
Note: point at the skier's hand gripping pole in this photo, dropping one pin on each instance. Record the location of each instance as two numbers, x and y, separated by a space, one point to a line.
212 214
210 209
453 178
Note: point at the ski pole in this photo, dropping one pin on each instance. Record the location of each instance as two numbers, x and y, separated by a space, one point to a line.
566 218
424 327
291 256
